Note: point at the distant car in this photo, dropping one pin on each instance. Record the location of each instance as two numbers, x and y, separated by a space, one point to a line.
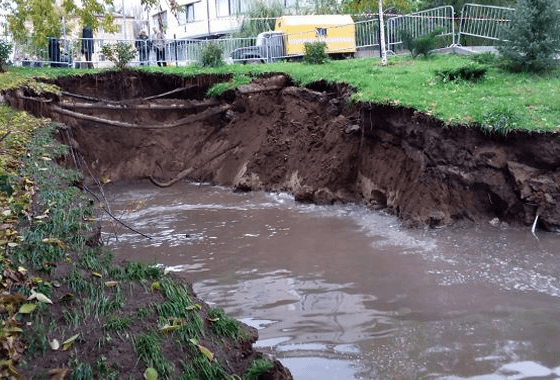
269 48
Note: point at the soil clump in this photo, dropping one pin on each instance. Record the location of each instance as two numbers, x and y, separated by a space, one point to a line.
272 135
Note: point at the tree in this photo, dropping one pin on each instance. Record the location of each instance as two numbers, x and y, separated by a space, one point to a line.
260 18
372 6
5 50
530 42
44 18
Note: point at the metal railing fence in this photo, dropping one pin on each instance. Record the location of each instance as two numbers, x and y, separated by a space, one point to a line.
421 23
483 21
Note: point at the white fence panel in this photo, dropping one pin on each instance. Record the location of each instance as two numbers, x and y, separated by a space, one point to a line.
421 23
484 21
367 33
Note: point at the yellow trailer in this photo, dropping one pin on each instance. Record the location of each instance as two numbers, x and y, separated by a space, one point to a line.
337 31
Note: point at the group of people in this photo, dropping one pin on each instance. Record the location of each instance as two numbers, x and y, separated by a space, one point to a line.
144 45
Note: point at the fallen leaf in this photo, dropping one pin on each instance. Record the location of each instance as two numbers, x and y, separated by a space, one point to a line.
39 297
111 284
196 306
156 286
168 328
204 350
96 274
59 373
150 374
57 242
55 345
68 343
27 308
12 330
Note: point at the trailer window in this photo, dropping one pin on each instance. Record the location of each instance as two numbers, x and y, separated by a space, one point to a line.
320 32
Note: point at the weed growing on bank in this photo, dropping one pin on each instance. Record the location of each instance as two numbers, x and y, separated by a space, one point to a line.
69 312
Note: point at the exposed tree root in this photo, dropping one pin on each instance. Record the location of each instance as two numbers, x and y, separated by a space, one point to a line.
185 173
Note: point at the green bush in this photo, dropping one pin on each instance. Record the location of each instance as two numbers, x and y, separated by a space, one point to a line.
421 45
486 58
530 41
5 51
120 54
211 55
470 73
315 53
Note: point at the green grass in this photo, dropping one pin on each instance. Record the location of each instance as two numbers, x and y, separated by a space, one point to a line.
222 324
534 99
257 368
147 347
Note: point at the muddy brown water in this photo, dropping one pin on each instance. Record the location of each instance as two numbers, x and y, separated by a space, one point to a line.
343 292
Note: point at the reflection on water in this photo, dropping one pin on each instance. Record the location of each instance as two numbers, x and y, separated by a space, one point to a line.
342 292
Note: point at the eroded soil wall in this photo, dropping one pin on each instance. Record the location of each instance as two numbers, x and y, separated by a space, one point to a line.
272 135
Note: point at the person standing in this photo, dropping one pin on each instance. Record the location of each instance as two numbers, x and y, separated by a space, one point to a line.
159 46
54 52
143 47
87 45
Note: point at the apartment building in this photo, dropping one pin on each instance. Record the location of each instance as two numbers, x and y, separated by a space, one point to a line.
201 19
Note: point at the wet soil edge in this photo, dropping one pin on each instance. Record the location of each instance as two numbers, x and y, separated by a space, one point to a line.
311 142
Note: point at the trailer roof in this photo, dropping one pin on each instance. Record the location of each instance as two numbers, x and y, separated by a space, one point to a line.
315 19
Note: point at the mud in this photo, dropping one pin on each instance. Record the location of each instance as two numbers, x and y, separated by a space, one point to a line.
272 135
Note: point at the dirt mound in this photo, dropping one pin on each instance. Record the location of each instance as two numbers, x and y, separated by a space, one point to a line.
272 135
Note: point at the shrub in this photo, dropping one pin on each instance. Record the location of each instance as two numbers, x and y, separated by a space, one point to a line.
421 45
470 73
530 41
5 51
120 54
211 55
315 53
486 58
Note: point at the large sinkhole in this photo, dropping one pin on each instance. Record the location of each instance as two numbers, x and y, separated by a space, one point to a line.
311 141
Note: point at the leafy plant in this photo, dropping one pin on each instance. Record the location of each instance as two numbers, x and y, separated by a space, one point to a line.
469 73
257 368
5 51
501 120
530 40
421 45
120 53
211 55
315 53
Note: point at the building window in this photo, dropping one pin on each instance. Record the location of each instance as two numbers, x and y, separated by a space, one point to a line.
231 7
320 32
160 19
188 13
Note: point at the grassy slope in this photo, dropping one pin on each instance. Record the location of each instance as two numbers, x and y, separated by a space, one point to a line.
527 101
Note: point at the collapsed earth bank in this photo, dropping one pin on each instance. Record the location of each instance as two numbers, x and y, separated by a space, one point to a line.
272 135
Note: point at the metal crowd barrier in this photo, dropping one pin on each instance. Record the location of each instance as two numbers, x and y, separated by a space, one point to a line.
421 23
483 21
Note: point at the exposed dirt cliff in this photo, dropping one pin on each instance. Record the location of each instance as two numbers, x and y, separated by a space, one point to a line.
272 135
